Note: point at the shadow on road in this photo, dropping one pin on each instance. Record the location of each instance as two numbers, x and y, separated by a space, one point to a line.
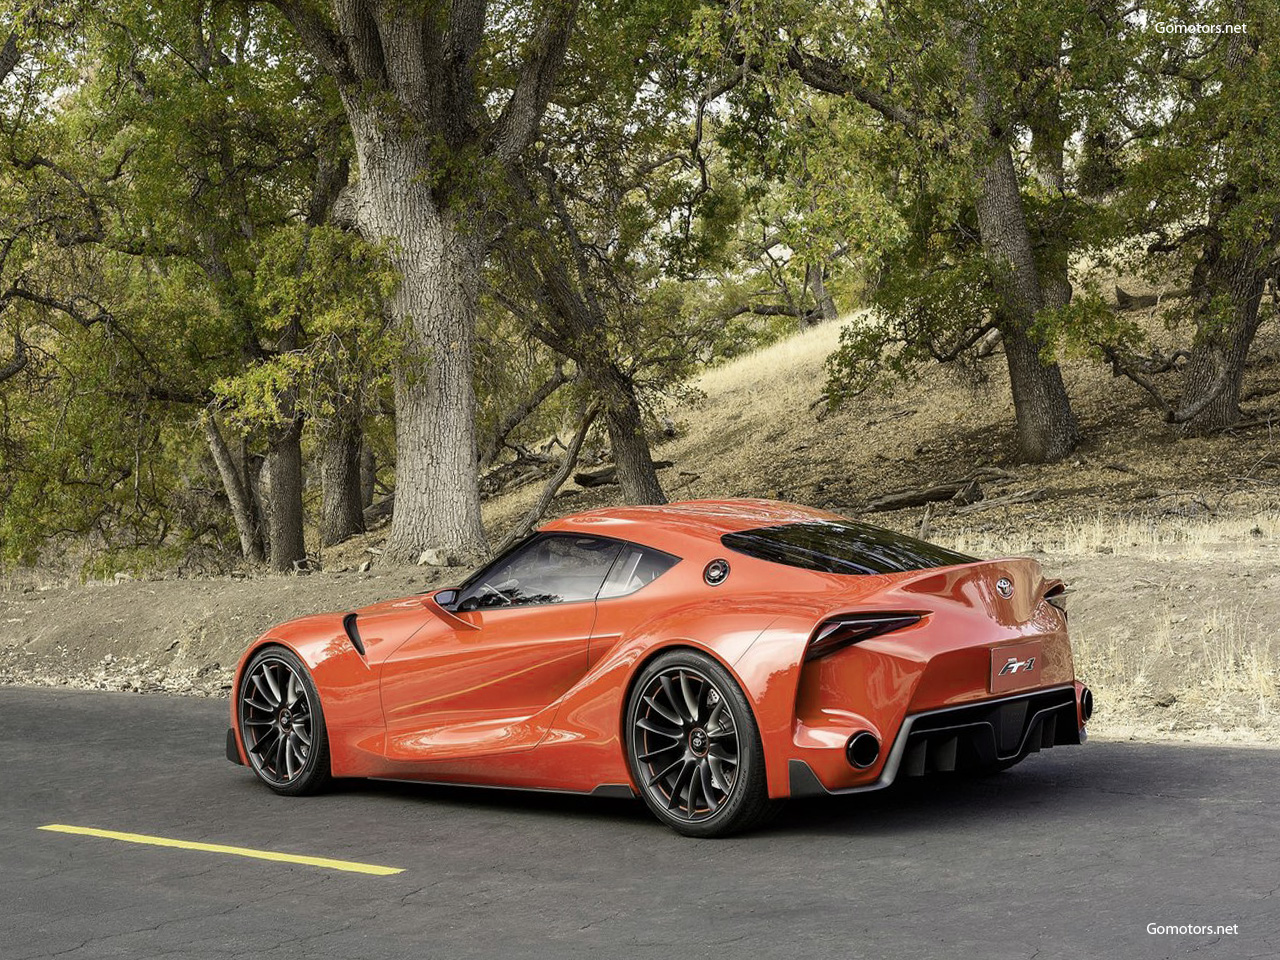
1103 779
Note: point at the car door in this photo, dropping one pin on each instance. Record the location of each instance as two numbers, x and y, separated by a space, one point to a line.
514 640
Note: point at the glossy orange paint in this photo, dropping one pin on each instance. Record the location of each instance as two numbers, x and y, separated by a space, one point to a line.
533 697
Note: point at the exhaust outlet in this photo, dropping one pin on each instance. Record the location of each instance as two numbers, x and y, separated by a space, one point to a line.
1086 704
863 749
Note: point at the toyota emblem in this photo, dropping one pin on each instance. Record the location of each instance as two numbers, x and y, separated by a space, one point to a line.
1004 587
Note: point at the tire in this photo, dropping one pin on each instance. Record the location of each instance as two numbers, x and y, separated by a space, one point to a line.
694 749
277 695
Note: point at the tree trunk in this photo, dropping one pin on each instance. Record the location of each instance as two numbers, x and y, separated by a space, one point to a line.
1227 291
283 471
826 307
1047 429
241 499
368 474
438 254
636 474
341 490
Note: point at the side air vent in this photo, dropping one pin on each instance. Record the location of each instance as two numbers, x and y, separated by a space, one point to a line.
349 624
840 632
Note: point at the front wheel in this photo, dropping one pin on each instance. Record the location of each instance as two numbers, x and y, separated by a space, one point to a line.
282 724
694 749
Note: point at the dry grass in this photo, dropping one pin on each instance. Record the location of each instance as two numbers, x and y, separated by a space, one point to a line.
1224 682
1134 535
800 356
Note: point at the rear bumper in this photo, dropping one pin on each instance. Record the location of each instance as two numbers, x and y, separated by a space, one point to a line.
969 736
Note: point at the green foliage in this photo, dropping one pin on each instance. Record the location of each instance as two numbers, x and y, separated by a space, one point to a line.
331 287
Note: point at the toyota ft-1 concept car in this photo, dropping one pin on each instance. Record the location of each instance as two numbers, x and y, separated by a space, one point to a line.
712 657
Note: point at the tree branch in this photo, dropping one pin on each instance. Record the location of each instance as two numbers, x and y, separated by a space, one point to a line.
1134 370
832 77
319 37
518 122
522 412
557 480
19 360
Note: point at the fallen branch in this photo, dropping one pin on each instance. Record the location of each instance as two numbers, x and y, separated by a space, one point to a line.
519 414
1026 496
597 478
1142 301
966 490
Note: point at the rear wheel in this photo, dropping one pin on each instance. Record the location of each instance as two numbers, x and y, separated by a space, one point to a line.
694 748
281 723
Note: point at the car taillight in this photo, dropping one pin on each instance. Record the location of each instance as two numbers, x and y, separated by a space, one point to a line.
844 630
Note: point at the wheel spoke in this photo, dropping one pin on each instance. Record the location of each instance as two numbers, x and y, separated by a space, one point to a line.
301 733
278 762
645 724
665 714
646 757
658 776
720 753
695 782
690 701
676 701
288 756
719 775
677 786
276 698
264 688
265 741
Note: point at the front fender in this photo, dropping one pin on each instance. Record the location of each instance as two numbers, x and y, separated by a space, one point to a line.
346 681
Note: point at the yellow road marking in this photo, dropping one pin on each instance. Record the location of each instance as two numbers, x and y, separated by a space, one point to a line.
324 862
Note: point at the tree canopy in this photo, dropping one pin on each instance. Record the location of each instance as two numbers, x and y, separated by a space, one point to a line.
251 251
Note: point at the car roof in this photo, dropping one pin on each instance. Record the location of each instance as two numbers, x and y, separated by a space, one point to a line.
671 526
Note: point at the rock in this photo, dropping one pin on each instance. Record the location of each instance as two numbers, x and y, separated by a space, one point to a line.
364 567
437 557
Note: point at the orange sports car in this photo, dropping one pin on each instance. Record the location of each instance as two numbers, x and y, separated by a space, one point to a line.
713 657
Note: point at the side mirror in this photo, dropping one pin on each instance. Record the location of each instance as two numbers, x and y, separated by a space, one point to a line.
439 604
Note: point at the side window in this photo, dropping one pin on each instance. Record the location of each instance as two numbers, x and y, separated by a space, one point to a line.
555 568
636 567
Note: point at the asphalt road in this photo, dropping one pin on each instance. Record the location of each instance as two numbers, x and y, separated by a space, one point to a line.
1071 855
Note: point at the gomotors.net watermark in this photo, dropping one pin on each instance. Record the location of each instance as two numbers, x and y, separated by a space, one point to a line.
1193 929
1198 28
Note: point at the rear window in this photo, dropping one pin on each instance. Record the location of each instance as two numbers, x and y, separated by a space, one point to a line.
841 546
